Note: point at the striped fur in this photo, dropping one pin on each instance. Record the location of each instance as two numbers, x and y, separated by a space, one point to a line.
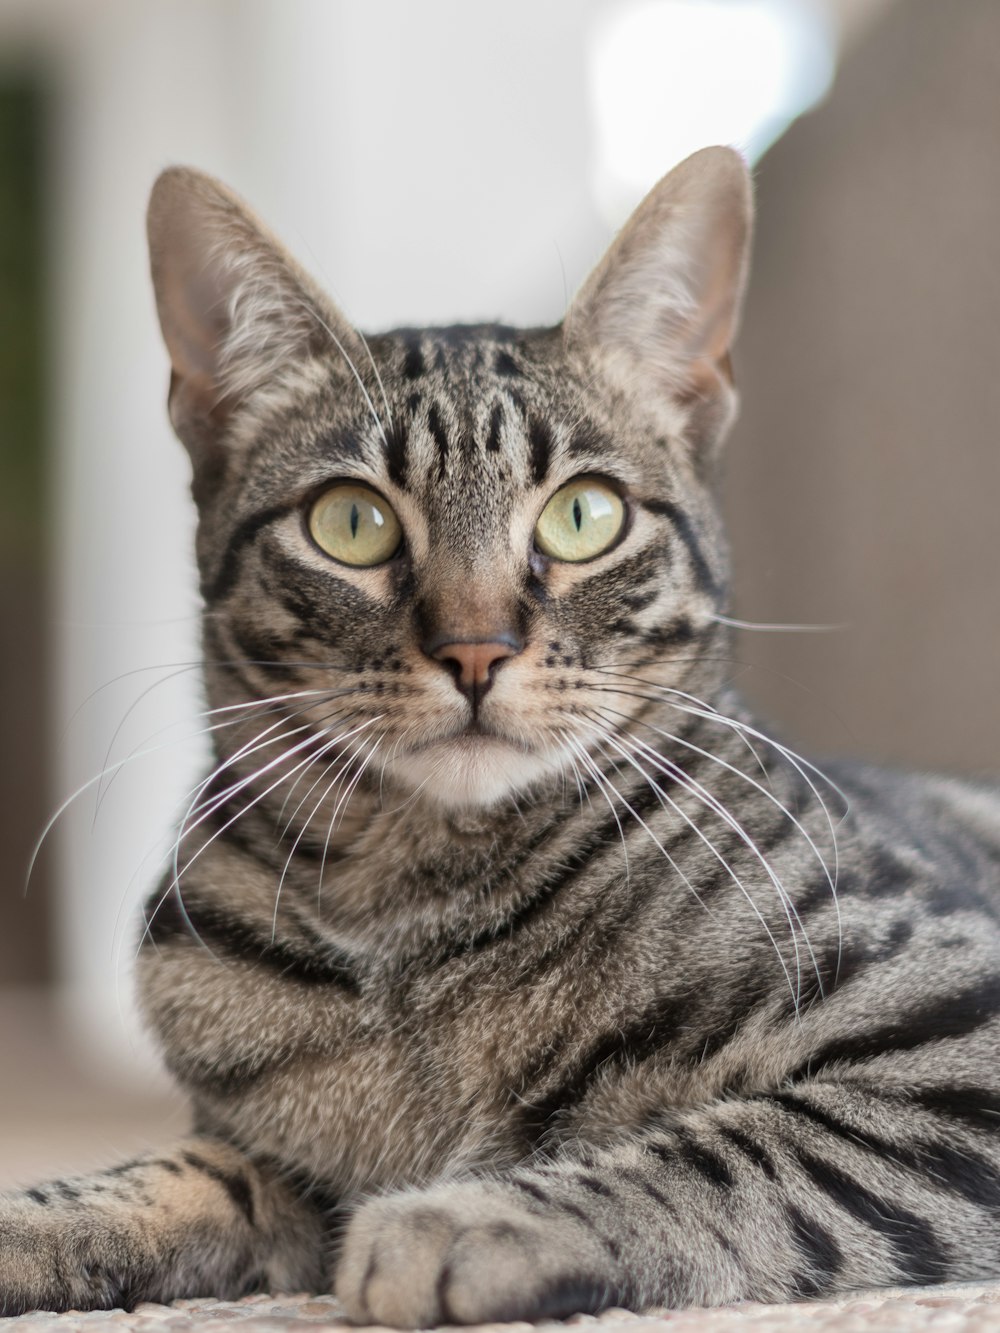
612 1000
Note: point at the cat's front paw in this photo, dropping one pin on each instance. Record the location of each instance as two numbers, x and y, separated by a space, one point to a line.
47 1264
466 1254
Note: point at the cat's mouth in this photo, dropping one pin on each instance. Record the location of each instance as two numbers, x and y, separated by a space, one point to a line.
473 765
477 727
474 735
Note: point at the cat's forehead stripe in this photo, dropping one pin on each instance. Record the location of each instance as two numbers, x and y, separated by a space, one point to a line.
540 438
496 426
504 364
396 439
413 362
439 434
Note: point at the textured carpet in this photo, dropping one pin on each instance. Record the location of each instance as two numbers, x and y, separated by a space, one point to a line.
965 1307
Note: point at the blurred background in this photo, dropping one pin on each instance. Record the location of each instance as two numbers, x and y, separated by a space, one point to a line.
442 160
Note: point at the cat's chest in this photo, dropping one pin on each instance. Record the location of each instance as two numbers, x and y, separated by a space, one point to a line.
399 1085
415 1068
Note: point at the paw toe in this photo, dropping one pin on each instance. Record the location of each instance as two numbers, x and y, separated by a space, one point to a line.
465 1255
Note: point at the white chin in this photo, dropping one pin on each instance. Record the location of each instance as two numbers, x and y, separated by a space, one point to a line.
471 770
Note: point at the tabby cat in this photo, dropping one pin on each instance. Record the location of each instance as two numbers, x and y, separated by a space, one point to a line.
512 970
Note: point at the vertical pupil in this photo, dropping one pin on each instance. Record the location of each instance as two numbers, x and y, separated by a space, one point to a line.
577 514
355 519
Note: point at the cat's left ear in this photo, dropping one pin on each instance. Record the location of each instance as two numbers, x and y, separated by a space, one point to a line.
659 313
238 314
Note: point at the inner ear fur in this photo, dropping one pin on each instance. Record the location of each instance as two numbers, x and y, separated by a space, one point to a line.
659 313
236 311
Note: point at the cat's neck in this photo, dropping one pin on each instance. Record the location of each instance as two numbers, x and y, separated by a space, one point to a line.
405 871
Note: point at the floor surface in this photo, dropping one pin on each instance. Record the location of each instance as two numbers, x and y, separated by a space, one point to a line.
57 1117
959 1309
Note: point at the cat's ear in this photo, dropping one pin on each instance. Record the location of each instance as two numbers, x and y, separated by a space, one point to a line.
237 312
659 313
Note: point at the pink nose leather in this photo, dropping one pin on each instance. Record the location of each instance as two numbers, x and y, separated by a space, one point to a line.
475 661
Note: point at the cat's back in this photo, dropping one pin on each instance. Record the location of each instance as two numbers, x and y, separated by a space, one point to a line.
939 836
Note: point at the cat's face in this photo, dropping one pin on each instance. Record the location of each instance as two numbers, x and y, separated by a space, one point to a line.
460 539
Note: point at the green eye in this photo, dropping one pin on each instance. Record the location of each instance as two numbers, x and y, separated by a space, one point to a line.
581 520
354 525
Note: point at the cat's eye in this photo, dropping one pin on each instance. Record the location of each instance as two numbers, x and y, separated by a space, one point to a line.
355 525
581 520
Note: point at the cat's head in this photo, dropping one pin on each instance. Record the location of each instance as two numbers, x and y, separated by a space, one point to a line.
473 543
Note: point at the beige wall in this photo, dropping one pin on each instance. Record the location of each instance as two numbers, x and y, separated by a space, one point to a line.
863 480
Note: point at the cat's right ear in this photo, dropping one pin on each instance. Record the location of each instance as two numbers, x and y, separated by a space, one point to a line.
238 314
658 315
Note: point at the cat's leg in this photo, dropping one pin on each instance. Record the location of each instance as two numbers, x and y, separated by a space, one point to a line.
828 1187
199 1220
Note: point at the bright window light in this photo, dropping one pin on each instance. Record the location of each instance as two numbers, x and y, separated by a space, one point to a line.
670 76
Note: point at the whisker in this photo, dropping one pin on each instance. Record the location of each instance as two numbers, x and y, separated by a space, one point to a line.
80 790
364 343
259 742
800 765
173 885
711 802
246 714
599 778
737 772
205 809
766 627
796 761
353 369
256 743
316 758
647 684
340 807
683 779
115 680
306 823
378 377
179 872
702 709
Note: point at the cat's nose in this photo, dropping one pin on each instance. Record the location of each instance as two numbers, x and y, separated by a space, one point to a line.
473 665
